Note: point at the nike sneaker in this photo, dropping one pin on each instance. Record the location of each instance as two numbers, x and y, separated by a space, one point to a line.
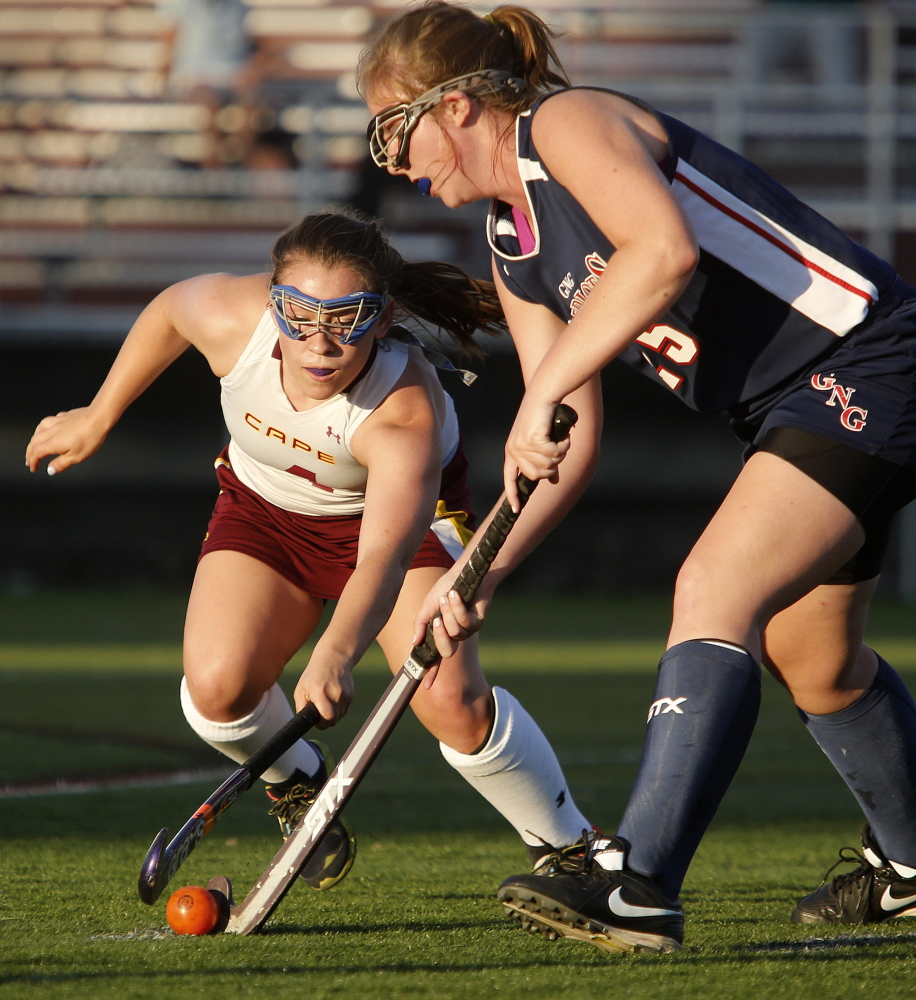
596 899
336 851
874 891
548 859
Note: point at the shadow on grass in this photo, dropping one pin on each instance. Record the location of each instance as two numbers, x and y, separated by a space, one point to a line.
410 927
248 971
828 944
815 949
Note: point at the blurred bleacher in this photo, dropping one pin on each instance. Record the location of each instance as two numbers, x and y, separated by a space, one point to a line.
110 192
112 185
110 189
105 197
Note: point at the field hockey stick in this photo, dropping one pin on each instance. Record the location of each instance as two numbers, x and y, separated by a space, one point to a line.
161 861
250 915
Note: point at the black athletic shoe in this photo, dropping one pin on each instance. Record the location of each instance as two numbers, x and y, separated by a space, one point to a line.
548 860
871 893
336 852
617 910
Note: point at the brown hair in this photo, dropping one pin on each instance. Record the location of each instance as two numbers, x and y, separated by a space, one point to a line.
437 294
437 41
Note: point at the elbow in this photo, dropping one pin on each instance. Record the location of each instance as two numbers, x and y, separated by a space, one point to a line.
678 261
685 257
690 258
673 267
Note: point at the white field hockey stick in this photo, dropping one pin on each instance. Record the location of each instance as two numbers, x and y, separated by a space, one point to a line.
250 915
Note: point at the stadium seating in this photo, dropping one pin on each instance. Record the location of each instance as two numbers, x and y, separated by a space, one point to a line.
113 185
100 161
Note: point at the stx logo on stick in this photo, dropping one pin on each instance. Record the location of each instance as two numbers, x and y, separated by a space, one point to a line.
665 705
332 793
852 417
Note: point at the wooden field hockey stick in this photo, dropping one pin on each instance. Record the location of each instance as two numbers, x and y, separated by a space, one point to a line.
250 915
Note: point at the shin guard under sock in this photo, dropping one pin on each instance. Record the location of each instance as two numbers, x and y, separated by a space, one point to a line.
872 744
518 773
707 697
239 739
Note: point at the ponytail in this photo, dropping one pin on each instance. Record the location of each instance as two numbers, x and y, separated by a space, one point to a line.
443 296
438 41
536 58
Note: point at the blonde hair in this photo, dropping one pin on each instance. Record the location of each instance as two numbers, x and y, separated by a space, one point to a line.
437 294
438 41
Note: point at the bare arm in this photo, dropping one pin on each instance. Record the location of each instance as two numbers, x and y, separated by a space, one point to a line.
400 445
535 330
212 312
582 136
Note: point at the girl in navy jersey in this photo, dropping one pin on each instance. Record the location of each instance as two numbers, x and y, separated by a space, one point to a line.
344 480
619 232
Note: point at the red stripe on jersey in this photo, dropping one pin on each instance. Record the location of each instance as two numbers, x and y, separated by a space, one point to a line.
770 238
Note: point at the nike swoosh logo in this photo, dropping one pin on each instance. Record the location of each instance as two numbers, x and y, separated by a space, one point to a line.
890 902
621 908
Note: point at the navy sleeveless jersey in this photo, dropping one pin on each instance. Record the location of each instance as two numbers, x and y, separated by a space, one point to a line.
777 285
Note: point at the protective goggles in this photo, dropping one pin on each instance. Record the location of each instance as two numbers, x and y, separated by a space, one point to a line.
390 130
343 320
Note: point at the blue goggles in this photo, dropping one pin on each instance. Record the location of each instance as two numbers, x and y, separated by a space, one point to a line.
343 320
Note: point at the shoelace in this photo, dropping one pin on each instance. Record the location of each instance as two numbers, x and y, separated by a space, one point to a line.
849 856
573 860
293 801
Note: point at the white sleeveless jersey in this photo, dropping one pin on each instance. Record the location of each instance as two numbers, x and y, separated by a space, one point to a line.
301 460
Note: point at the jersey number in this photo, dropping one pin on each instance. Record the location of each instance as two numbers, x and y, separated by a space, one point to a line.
673 344
297 470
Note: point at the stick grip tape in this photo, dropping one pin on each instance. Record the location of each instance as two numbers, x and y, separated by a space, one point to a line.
493 538
280 742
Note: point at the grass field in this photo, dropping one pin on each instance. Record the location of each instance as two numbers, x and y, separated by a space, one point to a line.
88 690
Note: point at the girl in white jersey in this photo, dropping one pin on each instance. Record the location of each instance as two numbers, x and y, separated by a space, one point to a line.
342 442
619 232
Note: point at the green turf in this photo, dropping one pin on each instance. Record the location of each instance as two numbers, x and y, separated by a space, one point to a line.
88 687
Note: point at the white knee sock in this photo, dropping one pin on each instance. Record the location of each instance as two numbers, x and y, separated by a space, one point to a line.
238 740
518 773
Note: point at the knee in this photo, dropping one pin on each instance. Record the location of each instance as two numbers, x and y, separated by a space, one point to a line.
456 714
221 695
697 582
450 699
826 681
717 598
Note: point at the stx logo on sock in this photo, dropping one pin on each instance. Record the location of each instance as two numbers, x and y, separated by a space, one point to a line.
665 705
852 417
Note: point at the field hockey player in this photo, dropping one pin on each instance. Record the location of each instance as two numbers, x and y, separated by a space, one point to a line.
619 231
344 480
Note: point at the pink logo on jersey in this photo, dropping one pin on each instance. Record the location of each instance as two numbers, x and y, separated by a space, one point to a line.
851 417
331 434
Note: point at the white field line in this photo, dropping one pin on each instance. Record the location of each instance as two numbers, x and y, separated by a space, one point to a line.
113 784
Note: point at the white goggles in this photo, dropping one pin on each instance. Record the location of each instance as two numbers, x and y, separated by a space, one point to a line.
343 320
390 130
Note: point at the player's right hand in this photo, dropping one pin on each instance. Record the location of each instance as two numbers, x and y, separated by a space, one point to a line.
71 437
328 685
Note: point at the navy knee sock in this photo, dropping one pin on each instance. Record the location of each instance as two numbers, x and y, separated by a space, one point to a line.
707 697
873 746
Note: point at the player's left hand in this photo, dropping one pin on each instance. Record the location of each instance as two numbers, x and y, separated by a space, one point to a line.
453 621
529 448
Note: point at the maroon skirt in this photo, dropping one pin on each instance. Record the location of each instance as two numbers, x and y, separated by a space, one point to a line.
316 554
